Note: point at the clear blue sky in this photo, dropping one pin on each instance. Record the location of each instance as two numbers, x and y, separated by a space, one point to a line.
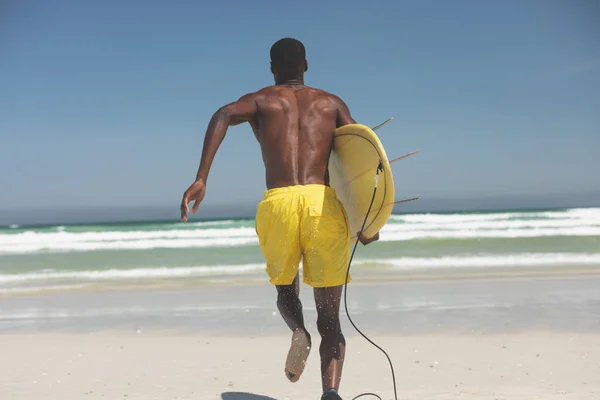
106 103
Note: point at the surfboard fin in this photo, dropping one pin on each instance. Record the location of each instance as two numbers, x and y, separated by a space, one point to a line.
394 203
405 200
404 156
382 124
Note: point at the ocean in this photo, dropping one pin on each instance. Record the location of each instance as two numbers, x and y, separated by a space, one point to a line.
67 257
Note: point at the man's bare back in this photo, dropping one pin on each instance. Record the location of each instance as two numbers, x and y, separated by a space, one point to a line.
294 125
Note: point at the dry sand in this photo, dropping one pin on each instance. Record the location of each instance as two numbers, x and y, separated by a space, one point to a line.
154 365
497 338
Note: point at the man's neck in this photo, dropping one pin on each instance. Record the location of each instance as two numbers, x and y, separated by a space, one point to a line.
299 80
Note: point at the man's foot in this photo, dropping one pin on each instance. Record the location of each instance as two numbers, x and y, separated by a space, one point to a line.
331 395
298 354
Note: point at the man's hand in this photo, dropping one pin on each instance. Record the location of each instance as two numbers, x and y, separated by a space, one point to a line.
366 241
194 193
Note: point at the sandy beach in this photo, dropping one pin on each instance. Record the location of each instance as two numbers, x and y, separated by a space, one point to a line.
511 337
532 365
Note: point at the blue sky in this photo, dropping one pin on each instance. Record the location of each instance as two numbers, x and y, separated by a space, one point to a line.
106 103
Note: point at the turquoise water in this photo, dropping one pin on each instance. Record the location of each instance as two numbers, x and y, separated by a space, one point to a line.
41 257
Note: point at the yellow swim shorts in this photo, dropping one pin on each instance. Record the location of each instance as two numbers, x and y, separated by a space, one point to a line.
305 222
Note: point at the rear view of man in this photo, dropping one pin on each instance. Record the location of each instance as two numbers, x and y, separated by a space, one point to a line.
300 217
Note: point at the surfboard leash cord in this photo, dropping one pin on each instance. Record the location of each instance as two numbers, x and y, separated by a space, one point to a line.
379 169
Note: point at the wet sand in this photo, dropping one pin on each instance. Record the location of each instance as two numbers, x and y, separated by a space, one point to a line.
511 337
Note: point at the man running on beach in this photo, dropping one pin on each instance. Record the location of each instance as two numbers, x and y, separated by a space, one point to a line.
300 216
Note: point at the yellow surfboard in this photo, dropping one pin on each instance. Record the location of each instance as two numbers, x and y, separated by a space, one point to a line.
356 155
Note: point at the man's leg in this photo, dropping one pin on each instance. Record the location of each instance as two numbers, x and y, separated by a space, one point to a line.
290 308
325 240
333 344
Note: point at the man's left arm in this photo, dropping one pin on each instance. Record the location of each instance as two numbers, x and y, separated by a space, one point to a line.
366 241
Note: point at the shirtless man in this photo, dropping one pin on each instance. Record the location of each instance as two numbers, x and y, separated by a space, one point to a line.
300 216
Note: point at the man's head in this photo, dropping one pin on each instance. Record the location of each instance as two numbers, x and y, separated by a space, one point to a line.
288 59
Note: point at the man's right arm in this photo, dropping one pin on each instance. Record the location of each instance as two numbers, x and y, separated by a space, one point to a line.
343 113
231 114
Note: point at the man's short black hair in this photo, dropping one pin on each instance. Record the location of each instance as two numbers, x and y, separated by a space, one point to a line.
288 53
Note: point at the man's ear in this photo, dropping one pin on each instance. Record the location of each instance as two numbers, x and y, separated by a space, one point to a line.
305 65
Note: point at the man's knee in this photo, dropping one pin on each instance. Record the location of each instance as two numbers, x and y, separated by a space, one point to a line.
287 295
328 324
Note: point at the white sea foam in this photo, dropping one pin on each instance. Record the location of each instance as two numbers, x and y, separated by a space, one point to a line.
120 311
212 223
574 222
575 213
133 273
110 236
391 233
497 260
402 263
66 246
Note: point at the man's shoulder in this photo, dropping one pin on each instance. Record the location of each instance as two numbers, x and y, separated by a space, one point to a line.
265 91
274 90
321 92
330 96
